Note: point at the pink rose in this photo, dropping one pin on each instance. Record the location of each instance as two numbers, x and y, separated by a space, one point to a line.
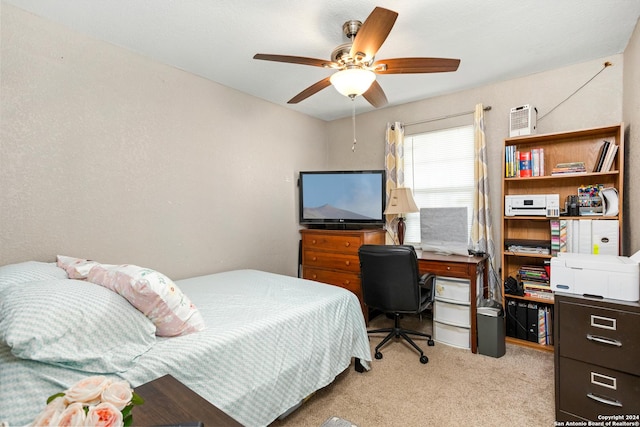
50 415
118 393
104 415
73 416
87 390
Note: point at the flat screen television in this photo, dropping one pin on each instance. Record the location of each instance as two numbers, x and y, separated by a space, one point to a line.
336 199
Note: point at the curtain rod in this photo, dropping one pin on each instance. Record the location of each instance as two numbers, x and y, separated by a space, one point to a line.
487 108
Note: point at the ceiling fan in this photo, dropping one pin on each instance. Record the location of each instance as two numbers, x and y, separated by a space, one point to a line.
356 64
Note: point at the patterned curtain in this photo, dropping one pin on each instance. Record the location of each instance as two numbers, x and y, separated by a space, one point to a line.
394 164
481 228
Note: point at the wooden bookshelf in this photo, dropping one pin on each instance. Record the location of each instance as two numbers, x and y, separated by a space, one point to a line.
564 147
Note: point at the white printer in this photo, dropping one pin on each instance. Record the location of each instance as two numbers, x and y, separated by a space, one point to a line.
606 276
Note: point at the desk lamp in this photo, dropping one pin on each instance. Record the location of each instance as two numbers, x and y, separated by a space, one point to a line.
401 202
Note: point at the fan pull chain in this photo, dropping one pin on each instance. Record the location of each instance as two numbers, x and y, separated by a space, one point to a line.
353 121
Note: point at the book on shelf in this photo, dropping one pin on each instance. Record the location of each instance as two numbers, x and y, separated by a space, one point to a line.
608 161
601 156
537 162
569 167
525 164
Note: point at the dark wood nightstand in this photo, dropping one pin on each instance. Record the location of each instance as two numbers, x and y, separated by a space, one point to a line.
169 402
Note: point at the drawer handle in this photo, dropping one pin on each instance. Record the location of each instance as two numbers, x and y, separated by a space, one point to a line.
347 263
603 340
604 400
315 258
347 244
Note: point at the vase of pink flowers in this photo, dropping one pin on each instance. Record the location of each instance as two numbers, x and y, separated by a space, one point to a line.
93 401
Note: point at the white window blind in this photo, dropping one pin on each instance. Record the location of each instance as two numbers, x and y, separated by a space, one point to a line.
438 167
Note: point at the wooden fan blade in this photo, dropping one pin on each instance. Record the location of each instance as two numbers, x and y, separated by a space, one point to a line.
373 33
311 90
296 60
416 65
375 95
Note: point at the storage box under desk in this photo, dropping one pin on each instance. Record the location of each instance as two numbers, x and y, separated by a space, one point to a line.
452 335
453 289
452 314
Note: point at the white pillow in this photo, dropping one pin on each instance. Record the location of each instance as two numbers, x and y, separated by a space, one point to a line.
74 324
154 294
28 271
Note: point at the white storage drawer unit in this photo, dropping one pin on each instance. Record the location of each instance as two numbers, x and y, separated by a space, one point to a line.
452 335
452 312
451 289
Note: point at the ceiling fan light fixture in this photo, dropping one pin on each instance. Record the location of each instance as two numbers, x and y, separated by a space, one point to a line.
352 81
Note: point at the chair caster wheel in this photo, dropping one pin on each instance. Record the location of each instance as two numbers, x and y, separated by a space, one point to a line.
424 359
378 355
430 343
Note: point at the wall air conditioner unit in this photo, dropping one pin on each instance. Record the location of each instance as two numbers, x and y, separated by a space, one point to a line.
522 120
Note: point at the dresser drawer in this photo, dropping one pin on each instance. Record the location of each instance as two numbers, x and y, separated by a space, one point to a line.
450 289
599 335
332 242
331 260
590 390
350 281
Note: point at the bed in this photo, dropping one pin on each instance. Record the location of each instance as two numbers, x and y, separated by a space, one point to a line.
268 340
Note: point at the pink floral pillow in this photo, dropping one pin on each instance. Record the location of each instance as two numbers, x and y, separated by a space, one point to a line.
154 294
76 268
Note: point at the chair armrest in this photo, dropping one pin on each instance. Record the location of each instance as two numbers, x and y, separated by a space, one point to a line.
426 283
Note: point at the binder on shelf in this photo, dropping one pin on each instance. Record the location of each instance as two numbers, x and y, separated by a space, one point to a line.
521 321
532 322
511 317
604 237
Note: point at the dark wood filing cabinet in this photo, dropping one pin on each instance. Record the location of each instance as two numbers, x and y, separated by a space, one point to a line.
597 359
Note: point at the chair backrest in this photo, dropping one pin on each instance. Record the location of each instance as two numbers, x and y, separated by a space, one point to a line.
390 278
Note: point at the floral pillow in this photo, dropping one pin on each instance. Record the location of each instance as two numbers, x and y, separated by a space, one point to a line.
154 294
76 268
75 324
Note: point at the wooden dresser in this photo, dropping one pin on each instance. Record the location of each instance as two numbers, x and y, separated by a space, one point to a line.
331 256
596 360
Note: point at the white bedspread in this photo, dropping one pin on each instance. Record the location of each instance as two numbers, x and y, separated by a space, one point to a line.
270 341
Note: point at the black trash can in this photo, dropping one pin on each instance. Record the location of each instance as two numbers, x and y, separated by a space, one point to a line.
491 331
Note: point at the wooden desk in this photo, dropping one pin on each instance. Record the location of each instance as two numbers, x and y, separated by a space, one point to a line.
463 267
169 402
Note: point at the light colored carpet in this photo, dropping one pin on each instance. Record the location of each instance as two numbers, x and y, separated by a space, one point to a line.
455 388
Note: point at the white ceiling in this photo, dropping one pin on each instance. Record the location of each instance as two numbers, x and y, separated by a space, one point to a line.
216 39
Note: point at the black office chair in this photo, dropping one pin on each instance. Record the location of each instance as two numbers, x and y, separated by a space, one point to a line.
392 284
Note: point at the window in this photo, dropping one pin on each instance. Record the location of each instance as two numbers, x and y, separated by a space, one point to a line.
439 167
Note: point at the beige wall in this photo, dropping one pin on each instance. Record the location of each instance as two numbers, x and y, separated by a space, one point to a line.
598 104
110 156
631 108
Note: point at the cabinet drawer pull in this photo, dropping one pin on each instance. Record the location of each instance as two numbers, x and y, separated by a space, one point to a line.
347 282
603 322
604 400
347 263
347 244
604 340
